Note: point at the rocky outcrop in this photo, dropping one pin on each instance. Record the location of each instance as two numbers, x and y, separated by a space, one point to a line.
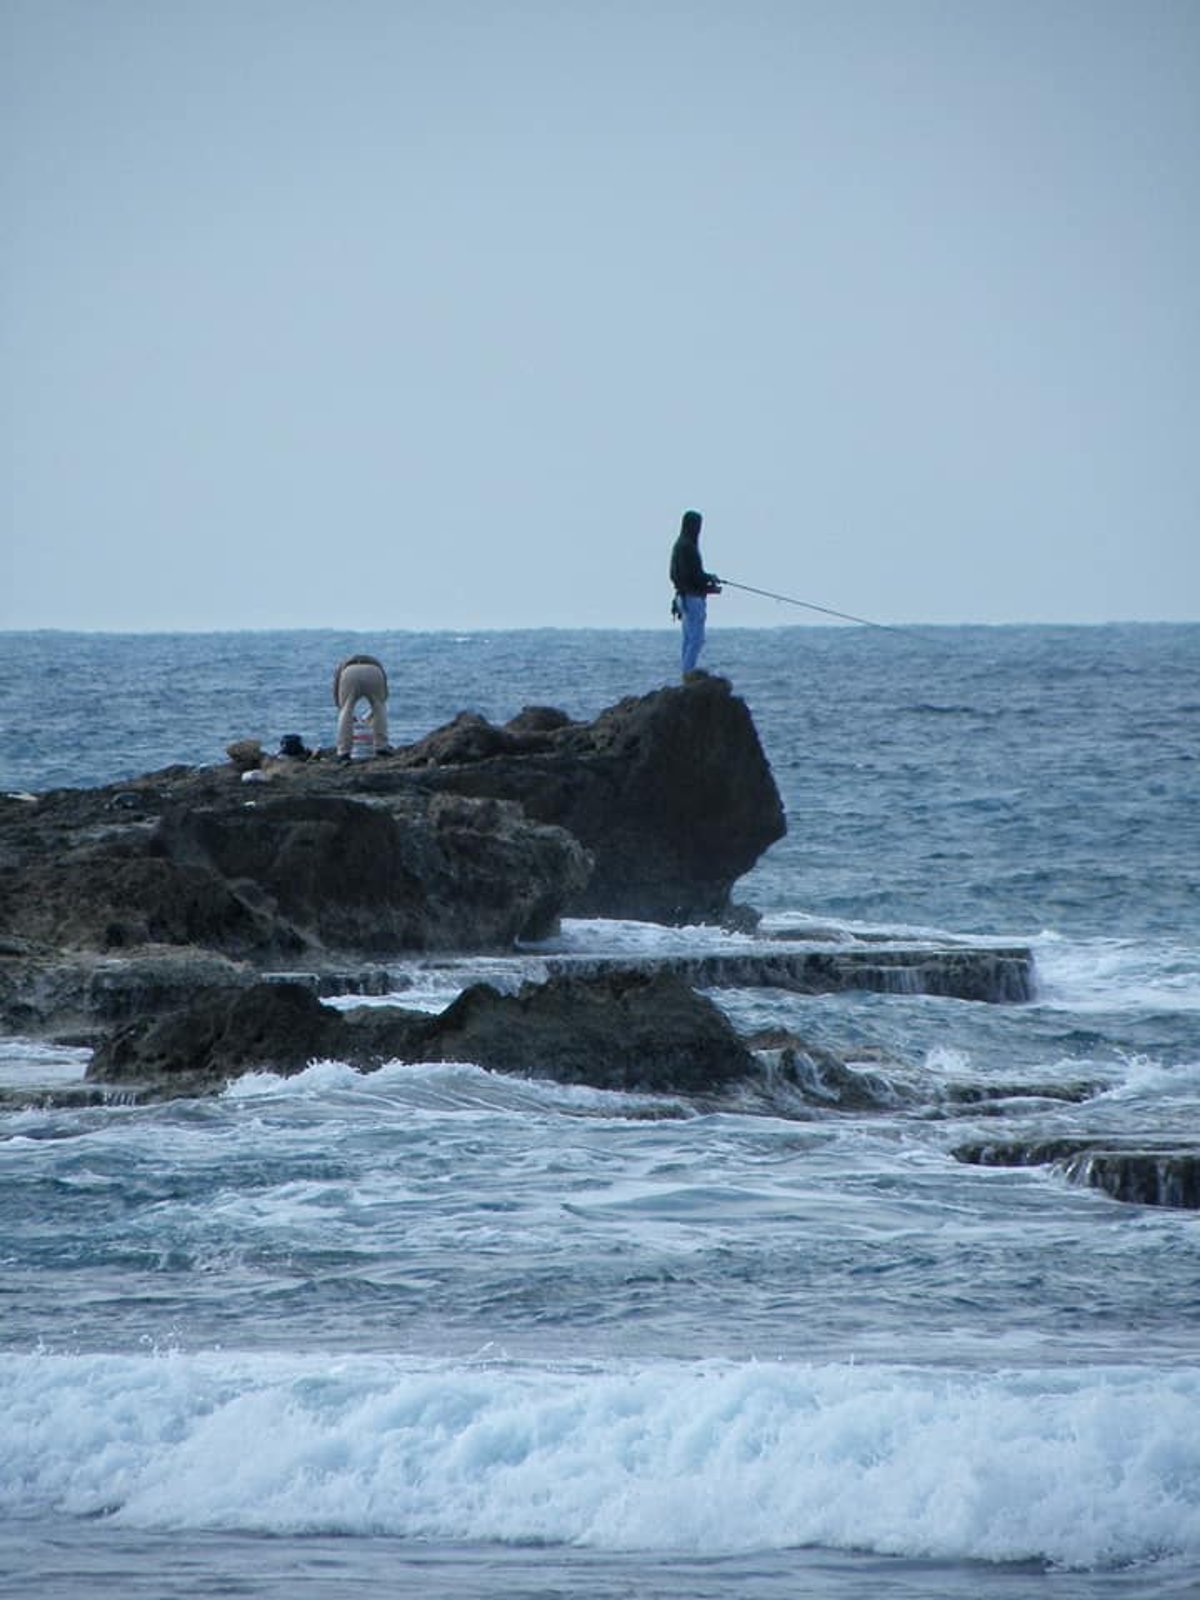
145 916
472 839
414 872
218 1036
670 793
1136 1173
197 861
623 1031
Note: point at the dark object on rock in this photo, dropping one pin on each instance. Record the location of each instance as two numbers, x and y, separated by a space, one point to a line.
293 747
623 1031
670 792
532 722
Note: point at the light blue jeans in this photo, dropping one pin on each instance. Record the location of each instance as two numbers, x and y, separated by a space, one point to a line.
695 610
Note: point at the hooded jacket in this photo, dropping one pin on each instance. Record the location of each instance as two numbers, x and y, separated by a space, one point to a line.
687 570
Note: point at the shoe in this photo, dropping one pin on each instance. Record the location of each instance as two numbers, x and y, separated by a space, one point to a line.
343 761
385 750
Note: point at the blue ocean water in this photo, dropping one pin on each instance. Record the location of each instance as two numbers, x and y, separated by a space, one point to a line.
436 1329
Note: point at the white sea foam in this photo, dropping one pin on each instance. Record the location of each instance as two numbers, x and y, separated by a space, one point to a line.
34 1063
1085 1469
443 1085
1112 976
605 936
1152 1082
800 925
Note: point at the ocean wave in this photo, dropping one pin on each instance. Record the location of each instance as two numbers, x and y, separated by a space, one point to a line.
1150 1081
440 1086
1117 976
39 1063
1088 1470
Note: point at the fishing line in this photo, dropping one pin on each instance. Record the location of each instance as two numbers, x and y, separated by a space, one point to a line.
828 611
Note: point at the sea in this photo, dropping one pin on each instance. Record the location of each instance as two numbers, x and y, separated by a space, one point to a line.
433 1330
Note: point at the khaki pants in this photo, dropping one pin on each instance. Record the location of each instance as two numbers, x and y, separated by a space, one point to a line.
361 681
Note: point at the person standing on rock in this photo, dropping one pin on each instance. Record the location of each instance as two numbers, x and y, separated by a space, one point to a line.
692 587
354 679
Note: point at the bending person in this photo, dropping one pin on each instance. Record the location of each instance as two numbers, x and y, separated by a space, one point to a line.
354 679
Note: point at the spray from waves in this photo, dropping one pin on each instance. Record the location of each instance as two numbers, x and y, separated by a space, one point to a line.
36 1060
457 1086
1148 1082
1116 975
1087 1470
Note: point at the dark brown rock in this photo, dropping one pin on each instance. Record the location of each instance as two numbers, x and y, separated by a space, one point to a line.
624 1031
295 868
670 792
1162 1175
418 872
219 1035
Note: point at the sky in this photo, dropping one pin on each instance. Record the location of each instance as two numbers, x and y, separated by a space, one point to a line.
438 313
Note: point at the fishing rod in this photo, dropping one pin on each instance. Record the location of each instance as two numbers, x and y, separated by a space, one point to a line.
810 605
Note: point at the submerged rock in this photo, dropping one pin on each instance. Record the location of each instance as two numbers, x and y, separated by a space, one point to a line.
88 992
996 974
1141 1177
828 1081
1137 1174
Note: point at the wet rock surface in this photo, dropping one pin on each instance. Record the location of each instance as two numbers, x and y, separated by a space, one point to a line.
625 1031
82 994
1140 1174
999 975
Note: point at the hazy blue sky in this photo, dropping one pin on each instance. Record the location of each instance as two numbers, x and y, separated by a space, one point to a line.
438 313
